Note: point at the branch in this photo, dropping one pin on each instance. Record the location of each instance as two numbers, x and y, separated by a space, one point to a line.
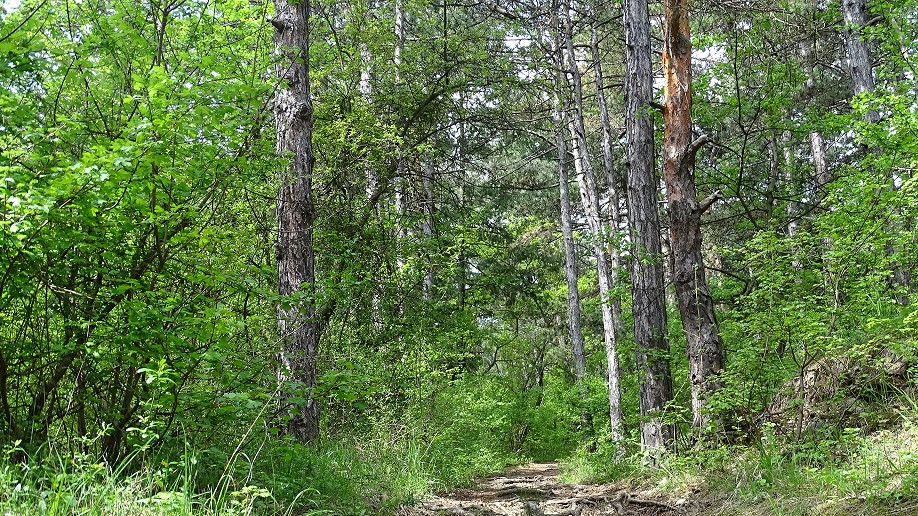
688 159
656 105
497 8
696 146
875 20
709 200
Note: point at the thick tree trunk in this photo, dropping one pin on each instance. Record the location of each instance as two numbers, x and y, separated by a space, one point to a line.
590 200
296 213
648 307
704 347
860 66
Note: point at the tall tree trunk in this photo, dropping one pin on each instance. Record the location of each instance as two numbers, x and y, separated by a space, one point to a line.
704 347
463 276
786 167
860 66
614 188
366 91
575 331
296 214
648 307
401 187
590 200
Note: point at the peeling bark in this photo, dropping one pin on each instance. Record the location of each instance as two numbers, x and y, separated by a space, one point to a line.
696 306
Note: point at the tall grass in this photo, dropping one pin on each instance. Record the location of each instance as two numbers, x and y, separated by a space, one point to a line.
350 474
49 483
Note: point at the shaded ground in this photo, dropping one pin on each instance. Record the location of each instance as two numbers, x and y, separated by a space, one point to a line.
534 490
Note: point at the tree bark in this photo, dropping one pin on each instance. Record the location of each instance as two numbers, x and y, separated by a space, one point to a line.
648 307
612 178
696 306
401 187
817 143
590 200
786 168
575 331
296 315
427 227
365 87
860 66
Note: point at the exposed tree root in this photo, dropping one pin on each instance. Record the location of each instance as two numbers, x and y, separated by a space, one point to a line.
535 490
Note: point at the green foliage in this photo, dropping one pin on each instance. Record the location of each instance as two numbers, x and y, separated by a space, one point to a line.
137 283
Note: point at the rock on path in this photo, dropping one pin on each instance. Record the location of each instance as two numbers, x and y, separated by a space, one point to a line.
534 490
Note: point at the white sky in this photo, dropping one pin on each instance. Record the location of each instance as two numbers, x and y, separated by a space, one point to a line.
9 5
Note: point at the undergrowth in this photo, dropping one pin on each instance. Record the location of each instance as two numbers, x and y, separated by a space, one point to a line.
372 476
366 470
840 472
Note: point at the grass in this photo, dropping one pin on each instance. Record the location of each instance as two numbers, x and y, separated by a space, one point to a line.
361 470
348 476
843 473
53 484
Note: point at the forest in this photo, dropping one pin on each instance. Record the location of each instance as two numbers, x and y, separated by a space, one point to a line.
351 257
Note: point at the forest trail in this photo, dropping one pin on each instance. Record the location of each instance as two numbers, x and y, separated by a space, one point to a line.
535 490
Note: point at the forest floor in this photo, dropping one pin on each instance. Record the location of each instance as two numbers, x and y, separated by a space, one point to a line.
535 490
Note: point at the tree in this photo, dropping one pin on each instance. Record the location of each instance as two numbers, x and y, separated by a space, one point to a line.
647 288
589 198
571 274
704 346
860 67
296 314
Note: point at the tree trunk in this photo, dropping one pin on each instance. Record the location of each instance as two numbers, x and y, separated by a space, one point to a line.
817 144
612 178
427 185
570 254
649 310
366 90
401 187
296 213
860 66
786 167
463 273
590 200
704 347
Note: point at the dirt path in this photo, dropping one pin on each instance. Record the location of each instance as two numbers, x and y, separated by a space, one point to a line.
534 490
